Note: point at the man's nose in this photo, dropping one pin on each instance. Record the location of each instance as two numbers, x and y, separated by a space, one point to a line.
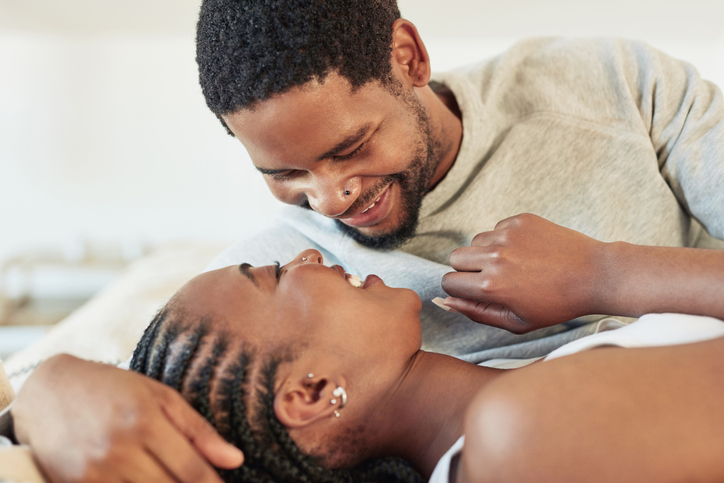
335 198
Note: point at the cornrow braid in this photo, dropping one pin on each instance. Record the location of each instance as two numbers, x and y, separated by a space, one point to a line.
270 455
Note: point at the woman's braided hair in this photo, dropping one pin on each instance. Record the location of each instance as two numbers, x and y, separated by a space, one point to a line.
242 409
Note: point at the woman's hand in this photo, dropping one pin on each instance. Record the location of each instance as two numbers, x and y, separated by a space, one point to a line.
526 274
88 422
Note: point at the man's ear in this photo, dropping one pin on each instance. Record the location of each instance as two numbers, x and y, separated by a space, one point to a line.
409 54
304 401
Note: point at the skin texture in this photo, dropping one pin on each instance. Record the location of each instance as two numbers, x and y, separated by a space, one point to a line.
123 428
530 273
610 414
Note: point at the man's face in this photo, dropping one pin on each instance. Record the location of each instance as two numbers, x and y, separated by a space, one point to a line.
365 158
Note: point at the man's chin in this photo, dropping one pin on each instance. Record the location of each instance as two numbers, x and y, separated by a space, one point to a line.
380 239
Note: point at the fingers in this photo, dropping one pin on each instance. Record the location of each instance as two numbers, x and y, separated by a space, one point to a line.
489 313
474 259
198 431
467 285
180 459
144 467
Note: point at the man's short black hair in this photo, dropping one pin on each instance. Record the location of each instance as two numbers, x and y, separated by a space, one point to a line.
249 50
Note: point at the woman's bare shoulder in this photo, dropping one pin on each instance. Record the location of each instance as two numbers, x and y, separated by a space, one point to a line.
652 414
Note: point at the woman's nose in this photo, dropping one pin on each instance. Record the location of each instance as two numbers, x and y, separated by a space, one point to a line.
309 256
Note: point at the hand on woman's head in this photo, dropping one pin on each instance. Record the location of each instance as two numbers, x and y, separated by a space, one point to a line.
250 347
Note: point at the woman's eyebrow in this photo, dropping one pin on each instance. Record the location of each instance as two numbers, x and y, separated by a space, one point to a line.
244 269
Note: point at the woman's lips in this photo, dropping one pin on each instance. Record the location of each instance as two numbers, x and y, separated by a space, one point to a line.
355 280
371 280
373 214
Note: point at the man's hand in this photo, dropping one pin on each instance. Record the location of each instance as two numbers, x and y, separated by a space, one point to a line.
88 422
526 274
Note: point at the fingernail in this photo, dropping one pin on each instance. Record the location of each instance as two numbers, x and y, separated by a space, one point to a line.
440 302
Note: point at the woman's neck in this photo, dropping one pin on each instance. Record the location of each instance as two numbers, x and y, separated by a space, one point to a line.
424 415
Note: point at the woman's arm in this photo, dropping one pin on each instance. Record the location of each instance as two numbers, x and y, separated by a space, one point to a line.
610 414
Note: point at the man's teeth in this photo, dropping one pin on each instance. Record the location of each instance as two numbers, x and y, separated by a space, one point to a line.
354 280
373 204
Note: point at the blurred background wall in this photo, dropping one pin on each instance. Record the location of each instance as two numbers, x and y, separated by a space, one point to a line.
107 148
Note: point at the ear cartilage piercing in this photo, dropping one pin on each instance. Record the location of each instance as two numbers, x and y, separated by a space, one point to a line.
304 259
342 394
347 192
440 302
333 401
310 375
336 414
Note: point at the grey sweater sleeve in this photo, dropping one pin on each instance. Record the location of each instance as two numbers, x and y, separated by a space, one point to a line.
685 118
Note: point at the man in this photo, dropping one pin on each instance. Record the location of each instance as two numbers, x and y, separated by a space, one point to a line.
394 173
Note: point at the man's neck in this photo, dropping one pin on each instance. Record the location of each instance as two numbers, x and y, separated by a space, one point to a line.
424 415
446 126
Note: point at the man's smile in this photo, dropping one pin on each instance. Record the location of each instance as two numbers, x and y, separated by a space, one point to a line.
374 213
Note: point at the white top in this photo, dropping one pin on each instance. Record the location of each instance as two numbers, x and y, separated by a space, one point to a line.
651 330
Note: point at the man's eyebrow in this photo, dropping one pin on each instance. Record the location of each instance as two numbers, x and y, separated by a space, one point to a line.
244 269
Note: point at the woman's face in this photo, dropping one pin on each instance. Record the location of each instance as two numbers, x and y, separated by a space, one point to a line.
307 301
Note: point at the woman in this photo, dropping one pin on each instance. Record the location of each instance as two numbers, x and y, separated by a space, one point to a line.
318 378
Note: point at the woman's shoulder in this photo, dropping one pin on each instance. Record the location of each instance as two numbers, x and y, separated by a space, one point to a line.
601 413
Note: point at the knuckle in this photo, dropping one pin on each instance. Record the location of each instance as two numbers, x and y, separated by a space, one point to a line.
486 285
479 238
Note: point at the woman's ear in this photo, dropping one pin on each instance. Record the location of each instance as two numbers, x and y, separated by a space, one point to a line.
409 54
304 401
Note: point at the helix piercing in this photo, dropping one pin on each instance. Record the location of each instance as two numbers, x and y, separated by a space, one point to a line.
340 393
304 259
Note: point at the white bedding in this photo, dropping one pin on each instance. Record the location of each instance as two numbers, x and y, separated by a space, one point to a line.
107 328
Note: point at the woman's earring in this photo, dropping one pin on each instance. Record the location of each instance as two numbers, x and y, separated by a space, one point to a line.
304 259
339 393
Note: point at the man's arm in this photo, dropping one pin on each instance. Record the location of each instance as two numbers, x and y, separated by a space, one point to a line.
88 422
530 273
684 118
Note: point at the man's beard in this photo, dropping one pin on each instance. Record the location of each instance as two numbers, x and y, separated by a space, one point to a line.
414 182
